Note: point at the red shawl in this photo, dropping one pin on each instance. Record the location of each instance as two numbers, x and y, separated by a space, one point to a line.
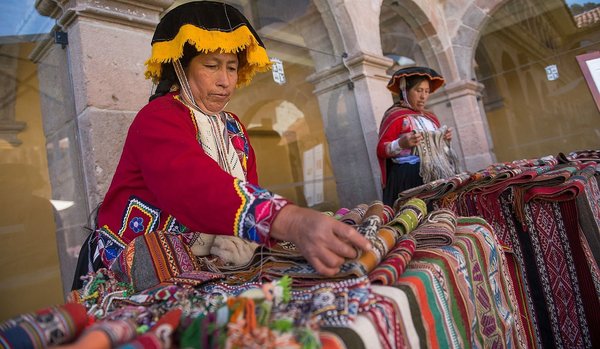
396 121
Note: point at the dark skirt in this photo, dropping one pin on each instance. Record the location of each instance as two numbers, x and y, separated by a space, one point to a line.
87 260
400 177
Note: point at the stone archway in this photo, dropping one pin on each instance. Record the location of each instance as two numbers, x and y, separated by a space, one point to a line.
472 22
426 36
348 89
531 51
464 93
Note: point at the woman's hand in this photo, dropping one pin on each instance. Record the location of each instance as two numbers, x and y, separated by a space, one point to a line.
448 134
409 140
325 242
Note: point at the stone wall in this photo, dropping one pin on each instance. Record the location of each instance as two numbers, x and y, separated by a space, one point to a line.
95 85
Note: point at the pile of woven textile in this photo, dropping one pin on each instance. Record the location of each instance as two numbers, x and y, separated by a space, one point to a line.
432 280
506 257
546 215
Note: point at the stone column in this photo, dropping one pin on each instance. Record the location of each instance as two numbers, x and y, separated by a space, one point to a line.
352 95
9 127
351 114
91 90
459 106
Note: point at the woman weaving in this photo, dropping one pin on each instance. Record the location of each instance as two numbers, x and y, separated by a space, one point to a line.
413 149
187 166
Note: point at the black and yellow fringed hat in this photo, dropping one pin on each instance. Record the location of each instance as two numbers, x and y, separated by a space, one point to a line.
209 26
436 80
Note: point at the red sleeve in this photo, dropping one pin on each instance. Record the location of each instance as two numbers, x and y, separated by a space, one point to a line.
390 131
252 174
190 185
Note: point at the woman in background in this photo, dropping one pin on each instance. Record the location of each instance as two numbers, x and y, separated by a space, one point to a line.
413 149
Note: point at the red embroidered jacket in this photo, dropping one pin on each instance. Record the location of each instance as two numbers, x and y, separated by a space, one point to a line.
165 181
396 121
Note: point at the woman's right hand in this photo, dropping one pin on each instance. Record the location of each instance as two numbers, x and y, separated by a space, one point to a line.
409 140
326 243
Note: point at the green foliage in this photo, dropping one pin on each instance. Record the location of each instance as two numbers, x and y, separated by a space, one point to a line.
286 283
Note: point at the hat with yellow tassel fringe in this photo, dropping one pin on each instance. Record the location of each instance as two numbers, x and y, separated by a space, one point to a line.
209 26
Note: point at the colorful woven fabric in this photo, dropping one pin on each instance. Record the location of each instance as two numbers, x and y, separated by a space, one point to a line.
355 215
514 198
161 257
437 230
106 334
409 216
46 327
459 294
555 265
568 190
372 220
160 335
455 296
588 209
587 271
271 264
384 314
394 263
529 278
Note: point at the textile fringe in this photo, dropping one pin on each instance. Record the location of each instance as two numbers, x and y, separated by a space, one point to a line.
438 160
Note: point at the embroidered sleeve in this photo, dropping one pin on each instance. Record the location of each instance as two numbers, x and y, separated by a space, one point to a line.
249 162
257 211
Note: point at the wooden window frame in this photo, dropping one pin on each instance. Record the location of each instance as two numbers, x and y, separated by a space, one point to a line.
587 74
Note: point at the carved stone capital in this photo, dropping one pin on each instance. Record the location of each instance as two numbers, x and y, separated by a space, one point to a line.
357 67
142 14
459 88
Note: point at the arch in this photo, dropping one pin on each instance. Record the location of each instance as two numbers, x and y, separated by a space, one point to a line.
398 40
532 93
485 72
329 22
427 44
464 43
512 80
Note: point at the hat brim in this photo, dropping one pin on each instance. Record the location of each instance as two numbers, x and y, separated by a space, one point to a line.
436 81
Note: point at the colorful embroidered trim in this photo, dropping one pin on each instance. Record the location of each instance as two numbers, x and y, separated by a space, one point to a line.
256 213
172 225
110 245
238 140
140 217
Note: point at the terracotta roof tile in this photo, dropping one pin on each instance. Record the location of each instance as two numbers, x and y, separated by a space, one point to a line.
587 18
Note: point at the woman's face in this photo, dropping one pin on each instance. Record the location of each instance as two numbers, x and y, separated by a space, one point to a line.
212 78
418 95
